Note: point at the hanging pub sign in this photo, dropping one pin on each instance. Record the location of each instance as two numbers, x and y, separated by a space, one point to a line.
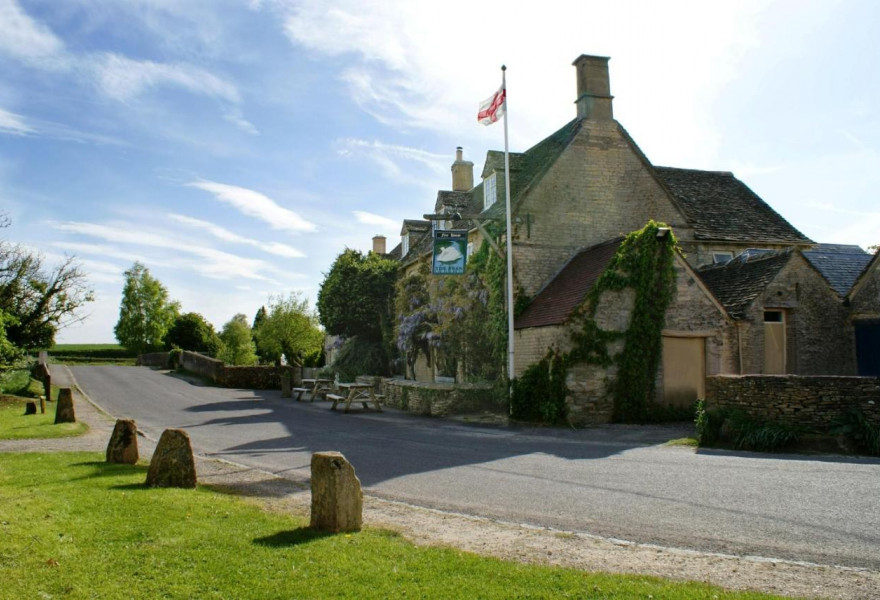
450 251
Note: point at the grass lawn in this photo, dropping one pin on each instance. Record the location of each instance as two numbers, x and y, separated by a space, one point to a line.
15 425
75 527
91 354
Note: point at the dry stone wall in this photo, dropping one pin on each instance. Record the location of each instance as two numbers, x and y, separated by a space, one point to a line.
812 402
438 399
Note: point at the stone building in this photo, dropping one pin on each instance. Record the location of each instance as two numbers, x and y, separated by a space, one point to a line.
752 293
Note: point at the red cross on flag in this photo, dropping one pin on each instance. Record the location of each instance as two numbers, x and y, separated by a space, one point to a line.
492 108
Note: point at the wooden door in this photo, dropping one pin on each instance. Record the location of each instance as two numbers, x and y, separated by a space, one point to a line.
774 342
684 370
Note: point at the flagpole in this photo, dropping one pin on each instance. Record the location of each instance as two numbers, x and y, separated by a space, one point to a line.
510 348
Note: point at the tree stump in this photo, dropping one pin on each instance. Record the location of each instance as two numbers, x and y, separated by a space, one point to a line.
173 464
337 499
64 411
30 408
123 445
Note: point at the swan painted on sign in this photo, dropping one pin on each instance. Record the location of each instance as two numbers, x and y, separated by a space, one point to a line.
450 253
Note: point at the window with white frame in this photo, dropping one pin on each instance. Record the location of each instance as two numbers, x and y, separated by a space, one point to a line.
489 191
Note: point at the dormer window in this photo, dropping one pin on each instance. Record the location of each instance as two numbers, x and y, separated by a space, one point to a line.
489 191
722 258
404 244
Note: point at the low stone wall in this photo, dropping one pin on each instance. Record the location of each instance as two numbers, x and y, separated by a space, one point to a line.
202 365
812 402
438 399
257 378
153 359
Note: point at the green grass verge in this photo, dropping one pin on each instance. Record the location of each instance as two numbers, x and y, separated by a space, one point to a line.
91 354
15 425
75 527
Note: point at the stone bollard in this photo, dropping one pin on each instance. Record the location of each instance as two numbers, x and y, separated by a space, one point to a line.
337 499
123 446
286 387
47 382
30 408
64 411
173 464
42 405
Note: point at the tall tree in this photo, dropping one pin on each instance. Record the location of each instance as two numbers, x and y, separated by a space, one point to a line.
357 296
289 328
38 302
237 342
191 331
145 313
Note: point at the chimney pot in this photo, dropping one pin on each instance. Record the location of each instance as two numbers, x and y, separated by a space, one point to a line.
593 88
462 173
379 244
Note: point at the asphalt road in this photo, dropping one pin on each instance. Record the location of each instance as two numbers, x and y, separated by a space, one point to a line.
618 482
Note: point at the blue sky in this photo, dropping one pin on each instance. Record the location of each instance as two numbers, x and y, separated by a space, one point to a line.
236 147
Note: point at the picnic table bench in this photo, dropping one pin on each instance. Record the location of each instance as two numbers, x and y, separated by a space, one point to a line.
318 386
355 392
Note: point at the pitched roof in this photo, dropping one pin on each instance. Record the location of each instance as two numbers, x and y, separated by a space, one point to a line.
721 207
554 304
415 226
532 164
839 264
737 283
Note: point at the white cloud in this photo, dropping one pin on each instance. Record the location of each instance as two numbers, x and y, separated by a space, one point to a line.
254 204
122 78
400 164
275 248
24 38
14 124
371 219
206 261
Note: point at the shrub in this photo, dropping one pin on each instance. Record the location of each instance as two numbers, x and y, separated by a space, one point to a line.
360 357
864 434
539 394
744 432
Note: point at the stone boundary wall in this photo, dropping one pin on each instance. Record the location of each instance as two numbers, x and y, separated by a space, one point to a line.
257 378
202 365
153 359
439 399
810 401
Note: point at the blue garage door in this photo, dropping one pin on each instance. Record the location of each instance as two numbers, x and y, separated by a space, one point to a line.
868 347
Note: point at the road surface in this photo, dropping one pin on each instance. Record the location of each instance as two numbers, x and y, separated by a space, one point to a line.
618 482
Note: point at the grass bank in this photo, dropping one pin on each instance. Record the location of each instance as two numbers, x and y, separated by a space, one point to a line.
91 354
15 425
76 527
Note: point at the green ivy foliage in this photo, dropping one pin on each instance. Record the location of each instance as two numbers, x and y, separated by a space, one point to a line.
643 263
539 394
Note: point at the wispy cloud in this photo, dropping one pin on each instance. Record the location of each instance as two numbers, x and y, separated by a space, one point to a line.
123 78
13 124
371 219
209 262
257 205
24 38
398 162
221 233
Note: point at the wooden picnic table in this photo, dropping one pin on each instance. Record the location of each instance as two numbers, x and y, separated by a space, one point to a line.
318 386
355 392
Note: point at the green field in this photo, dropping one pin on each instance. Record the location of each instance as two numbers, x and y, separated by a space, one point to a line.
91 354
75 527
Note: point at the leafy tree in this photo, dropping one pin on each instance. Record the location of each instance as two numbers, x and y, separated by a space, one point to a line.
146 313
356 300
191 331
263 355
289 328
38 302
357 296
237 342
875 248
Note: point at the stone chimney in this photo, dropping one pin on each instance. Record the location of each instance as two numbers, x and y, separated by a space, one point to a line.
593 89
462 173
379 244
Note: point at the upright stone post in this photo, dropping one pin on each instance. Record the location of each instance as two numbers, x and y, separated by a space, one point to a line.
42 405
123 446
64 411
337 499
173 464
47 382
30 408
286 387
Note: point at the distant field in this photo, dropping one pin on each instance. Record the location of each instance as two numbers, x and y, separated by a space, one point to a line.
91 354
